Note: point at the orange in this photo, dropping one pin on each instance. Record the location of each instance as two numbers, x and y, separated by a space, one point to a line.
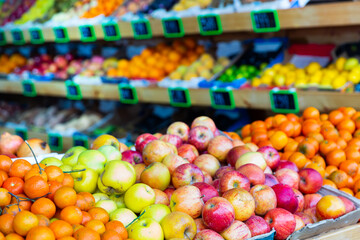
311 113
346 124
346 135
76 227
317 136
299 138
269 122
3 176
118 227
40 233
351 167
71 214
354 142
245 131
12 209
85 201
317 168
287 127
349 111
307 148
24 221
25 204
285 155
279 140
43 221
310 125
247 140
64 197
86 217
357 122
44 206
258 137
86 234
61 229
278 119
264 143
35 172
258 125
327 146
6 225
356 134
299 159
352 153
36 187
96 225
350 182
329 183
297 129
291 146
15 185
5 163
329 169
14 236
110 235
347 190
335 117
19 168
66 238
53 186
357 186
324 117
5 197
339 177
341 143
54 173
330 133
99 214
320 161
292 117
68 180
335 157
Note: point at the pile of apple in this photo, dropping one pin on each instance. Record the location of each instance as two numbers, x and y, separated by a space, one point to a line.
195 183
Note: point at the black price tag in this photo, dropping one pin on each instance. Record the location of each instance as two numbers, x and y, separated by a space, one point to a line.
73 90
87 33
80 140
222 98
36 36
111 31
173 27
210 24
128 94
179 97
22 132
18 36
55 141
2 38
61 35
265 21
141 29
284 101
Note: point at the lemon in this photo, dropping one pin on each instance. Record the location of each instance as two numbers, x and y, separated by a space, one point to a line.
290 66
279 80
326 81
277 66
339 64
338 82
256 82
266 80
354 77
289 81
300 83
313 67
270 71
351 63
300 73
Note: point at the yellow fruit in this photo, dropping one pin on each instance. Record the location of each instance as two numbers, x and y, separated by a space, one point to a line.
279 80
313 67
266 79
289 81
277 67
256 82
175 76
339 64
338 82
189 76
270 72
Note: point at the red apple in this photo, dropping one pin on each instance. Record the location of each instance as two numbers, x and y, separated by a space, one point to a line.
265 199
257 226
237 230
253 173
219 147
186 174
188 152
349 205
208 234
288 177
310 200
216 184
287 164
251 157
285 197
132 157
200 225
180 129
234 154
200 137
218 214
242 201
172 161
156 151
299 223
330 207
282 221
207 163
306 218
173 139
204 121
60 61
222 170
187 199
311 212
234 179
310 181
207 191
169 191
301 200
142 140
271 156
207 178
270 180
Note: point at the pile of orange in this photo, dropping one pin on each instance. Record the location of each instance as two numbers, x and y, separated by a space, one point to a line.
158 62
41 204
328 143
8 64
105 7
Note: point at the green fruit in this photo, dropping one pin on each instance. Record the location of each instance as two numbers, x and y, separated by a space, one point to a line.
108 205
156 212
124 215
71 155
139 196
100 196
93 159
111 153
84 181
52 161
119 200
146 228
66 168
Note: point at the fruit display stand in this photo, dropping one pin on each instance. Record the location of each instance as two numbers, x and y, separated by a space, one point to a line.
350 232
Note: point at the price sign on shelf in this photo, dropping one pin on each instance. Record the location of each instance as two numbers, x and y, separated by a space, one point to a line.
22 132
80 140
73 91
111 31
210 24
128 94
284 101
61 35
55 141
87 33
18 36
2 38
265 21
141 29
36 36
173 27
29 89
222 98
179 97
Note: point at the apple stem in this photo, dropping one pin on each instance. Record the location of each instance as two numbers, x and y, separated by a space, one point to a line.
34 156
73 171
134 220
187 236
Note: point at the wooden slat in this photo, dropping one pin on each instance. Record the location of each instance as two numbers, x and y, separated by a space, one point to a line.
347 233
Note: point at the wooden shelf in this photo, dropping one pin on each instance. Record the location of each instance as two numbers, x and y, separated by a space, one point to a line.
314 16
246 98
350 232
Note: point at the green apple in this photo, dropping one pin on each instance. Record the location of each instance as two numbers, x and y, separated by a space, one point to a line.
110 152
178 225
52 161
139 196
100 196
155 211
146 228
156 175
84 181
118 199
118 176
124 215
108 205
92 159
71 155
65 168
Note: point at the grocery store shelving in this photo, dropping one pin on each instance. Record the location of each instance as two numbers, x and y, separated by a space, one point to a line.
314 16
246 98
